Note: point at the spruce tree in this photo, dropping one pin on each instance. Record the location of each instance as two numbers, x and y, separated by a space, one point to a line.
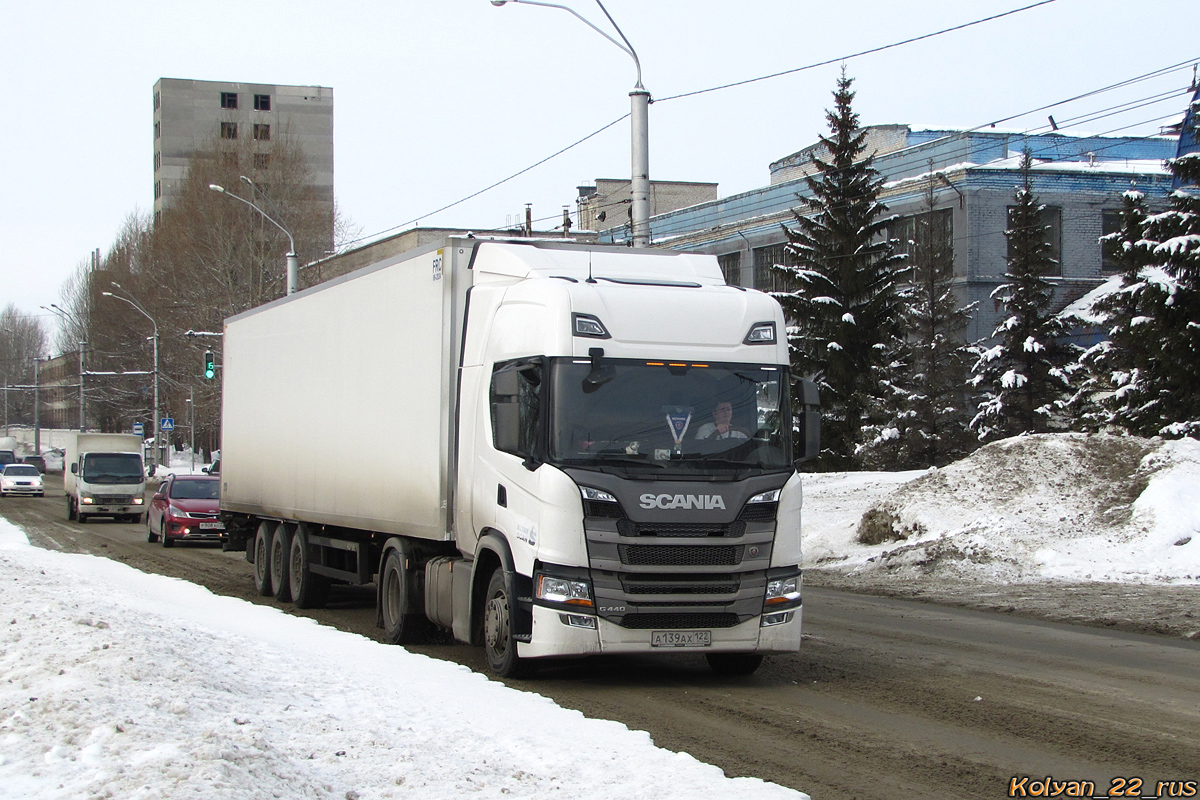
844 304
1021 376
1164 338
1109 375
933 420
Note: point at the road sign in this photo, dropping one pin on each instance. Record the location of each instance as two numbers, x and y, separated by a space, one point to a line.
166 424
138 428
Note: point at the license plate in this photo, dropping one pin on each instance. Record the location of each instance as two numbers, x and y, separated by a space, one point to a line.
680 638
211 526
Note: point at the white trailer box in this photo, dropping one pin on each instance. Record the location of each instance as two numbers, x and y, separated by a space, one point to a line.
337 403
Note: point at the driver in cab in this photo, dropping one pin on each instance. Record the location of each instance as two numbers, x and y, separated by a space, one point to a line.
722 426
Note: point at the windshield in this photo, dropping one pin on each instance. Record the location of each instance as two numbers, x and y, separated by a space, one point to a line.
196 490
112 468
18 469
672 419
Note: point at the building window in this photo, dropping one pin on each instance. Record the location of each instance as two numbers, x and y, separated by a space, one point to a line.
1110 222
157 161
229 159
731 268
262 102
229 100
1051 220
157 130
156 101
262 133
228 130
157 190
767 279
262 160
926 238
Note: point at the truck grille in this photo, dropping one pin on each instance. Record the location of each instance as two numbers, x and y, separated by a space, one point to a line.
678 621
113 499
759 512
681 530
635 583
680 555
602 509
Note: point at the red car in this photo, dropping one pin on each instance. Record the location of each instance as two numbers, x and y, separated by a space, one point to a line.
184 509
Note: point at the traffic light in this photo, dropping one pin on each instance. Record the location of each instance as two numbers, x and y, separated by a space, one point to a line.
210 366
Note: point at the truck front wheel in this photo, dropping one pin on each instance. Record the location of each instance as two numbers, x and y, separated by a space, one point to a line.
262 558
70 510
499 642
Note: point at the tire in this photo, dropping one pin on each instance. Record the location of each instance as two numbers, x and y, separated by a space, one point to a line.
151 537
80 517
281 544
499 643
262 558
400 613
71 510
167 541
734 663
309 590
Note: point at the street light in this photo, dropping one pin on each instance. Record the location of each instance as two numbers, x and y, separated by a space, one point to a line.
157 433
69 319
293 263
639 117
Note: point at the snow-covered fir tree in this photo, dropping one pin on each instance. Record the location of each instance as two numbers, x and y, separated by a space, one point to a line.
932 420
1109 378
1020 375
844 302
1163 344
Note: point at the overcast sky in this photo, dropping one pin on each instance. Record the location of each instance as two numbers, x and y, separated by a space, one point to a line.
437 99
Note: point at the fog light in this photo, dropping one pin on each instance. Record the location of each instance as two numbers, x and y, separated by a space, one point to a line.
578 621
777 619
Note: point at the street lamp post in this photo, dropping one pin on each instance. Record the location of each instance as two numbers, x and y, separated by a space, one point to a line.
639 117
293 262
157 433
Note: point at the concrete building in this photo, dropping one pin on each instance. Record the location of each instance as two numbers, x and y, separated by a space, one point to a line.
605 205
973 175
190 115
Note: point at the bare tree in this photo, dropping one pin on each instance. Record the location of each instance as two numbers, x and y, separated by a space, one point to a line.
22 339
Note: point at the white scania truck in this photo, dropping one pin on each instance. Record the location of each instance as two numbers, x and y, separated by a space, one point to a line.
548 449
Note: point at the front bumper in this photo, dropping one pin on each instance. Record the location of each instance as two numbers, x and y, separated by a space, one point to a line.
552 637
28 491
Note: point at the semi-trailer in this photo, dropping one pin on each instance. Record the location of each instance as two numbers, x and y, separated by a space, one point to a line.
547 449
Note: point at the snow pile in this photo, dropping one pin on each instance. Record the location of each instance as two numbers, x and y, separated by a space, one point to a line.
126 685
1069 507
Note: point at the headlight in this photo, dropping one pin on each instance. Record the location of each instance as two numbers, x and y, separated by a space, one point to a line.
782 592
766 497
560 590
86 498
9 482
596 495
137 501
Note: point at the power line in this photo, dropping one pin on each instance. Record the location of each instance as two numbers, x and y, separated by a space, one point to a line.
691 94
856 55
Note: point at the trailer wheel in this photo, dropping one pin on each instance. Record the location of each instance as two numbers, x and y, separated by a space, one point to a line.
403 620
498 641
734 663
281 547
309 590
262 558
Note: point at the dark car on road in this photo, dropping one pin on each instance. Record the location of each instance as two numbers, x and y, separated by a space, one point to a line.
184 509
36 461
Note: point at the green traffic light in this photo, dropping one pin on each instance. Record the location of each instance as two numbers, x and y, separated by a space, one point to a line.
210 367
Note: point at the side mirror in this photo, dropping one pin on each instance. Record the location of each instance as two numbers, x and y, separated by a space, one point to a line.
508 426
809 420
74 469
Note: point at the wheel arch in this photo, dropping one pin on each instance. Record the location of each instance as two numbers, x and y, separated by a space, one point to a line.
493 551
